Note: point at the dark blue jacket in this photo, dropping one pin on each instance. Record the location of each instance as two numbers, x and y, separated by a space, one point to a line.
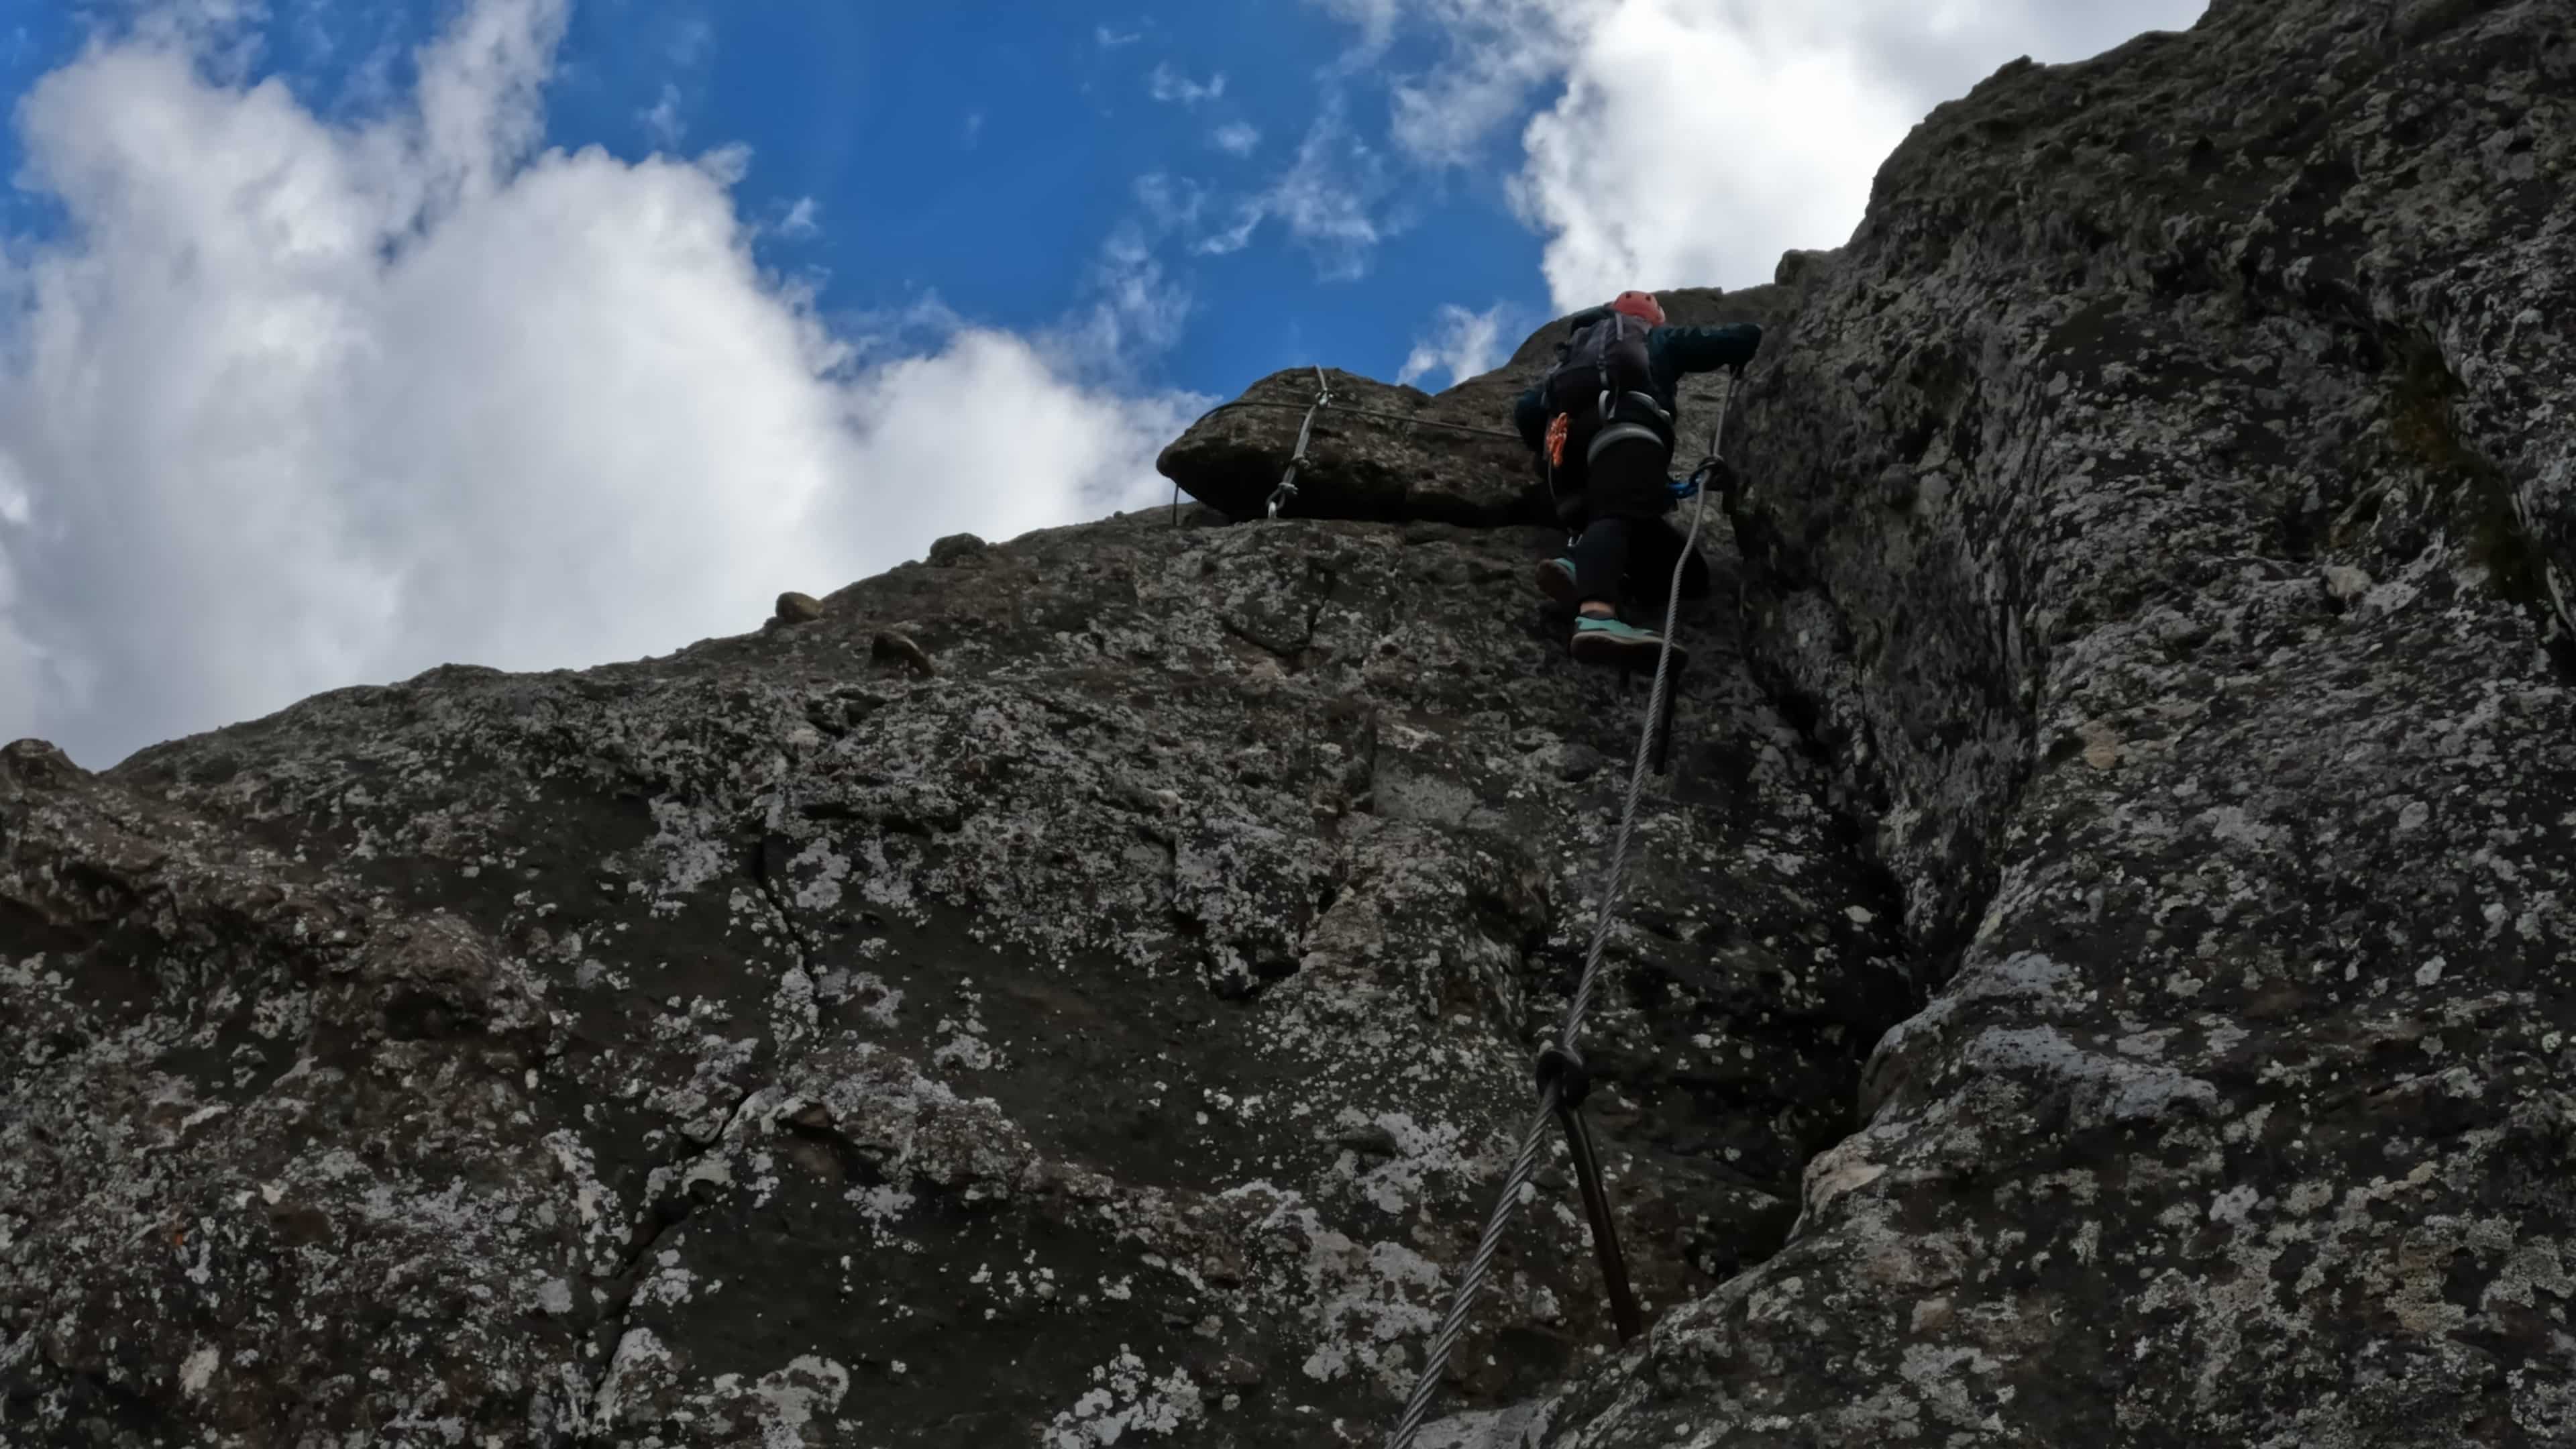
1672 353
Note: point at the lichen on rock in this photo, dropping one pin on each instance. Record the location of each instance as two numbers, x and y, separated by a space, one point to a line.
2092 974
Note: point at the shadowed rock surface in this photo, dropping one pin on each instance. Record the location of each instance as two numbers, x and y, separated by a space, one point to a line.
1111 1030
1079 990
2166 516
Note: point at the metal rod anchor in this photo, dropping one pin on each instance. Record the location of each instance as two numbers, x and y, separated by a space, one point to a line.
1561 1064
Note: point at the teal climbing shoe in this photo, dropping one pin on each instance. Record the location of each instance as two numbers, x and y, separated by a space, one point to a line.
1556 579
1608 641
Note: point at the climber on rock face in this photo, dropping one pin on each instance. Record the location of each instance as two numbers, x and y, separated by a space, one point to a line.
1608 468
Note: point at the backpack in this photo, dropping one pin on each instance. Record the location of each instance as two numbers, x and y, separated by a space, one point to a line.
1608 356
1602 381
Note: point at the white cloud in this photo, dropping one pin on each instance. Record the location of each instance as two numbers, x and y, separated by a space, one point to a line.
1139 309
1167 84
23 673
1690 149
1375 19
222 34
1327 199
1235 138
1113 39
1691 142
1500 51
1069 453
1168 204
663 120
1462 343
297 405
799 223
974 130
727 164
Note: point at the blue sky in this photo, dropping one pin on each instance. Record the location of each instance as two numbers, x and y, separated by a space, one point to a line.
976 155
983 155
344 338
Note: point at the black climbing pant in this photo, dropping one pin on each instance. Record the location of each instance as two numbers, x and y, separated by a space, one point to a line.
1640 551
1627 536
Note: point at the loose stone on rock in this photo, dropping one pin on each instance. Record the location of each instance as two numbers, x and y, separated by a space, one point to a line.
893 646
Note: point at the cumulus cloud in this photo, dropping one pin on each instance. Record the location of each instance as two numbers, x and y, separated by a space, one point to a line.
296 404
1500 51
1461 343
1690 142
1694 146
1236 138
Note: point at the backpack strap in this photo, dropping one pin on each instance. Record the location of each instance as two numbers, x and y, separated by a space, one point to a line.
1618 334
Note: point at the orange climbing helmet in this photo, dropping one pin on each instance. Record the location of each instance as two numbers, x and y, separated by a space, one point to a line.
1640 305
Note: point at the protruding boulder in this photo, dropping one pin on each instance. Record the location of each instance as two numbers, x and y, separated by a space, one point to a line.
38 762
1802 268
1380 451
955 549
1386 452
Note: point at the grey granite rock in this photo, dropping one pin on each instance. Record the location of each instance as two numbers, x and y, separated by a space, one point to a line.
772 1038
2243 1114
2096 975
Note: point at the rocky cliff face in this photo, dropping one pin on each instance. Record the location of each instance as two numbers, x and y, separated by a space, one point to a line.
1090 1016
2098 972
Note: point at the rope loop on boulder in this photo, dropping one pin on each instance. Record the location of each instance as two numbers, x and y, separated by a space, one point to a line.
1287 488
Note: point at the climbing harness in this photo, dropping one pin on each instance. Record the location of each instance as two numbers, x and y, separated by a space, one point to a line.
1562 1082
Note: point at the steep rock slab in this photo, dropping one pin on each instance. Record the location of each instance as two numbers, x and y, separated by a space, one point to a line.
2163 512
1401 464
274 1161
1077 991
